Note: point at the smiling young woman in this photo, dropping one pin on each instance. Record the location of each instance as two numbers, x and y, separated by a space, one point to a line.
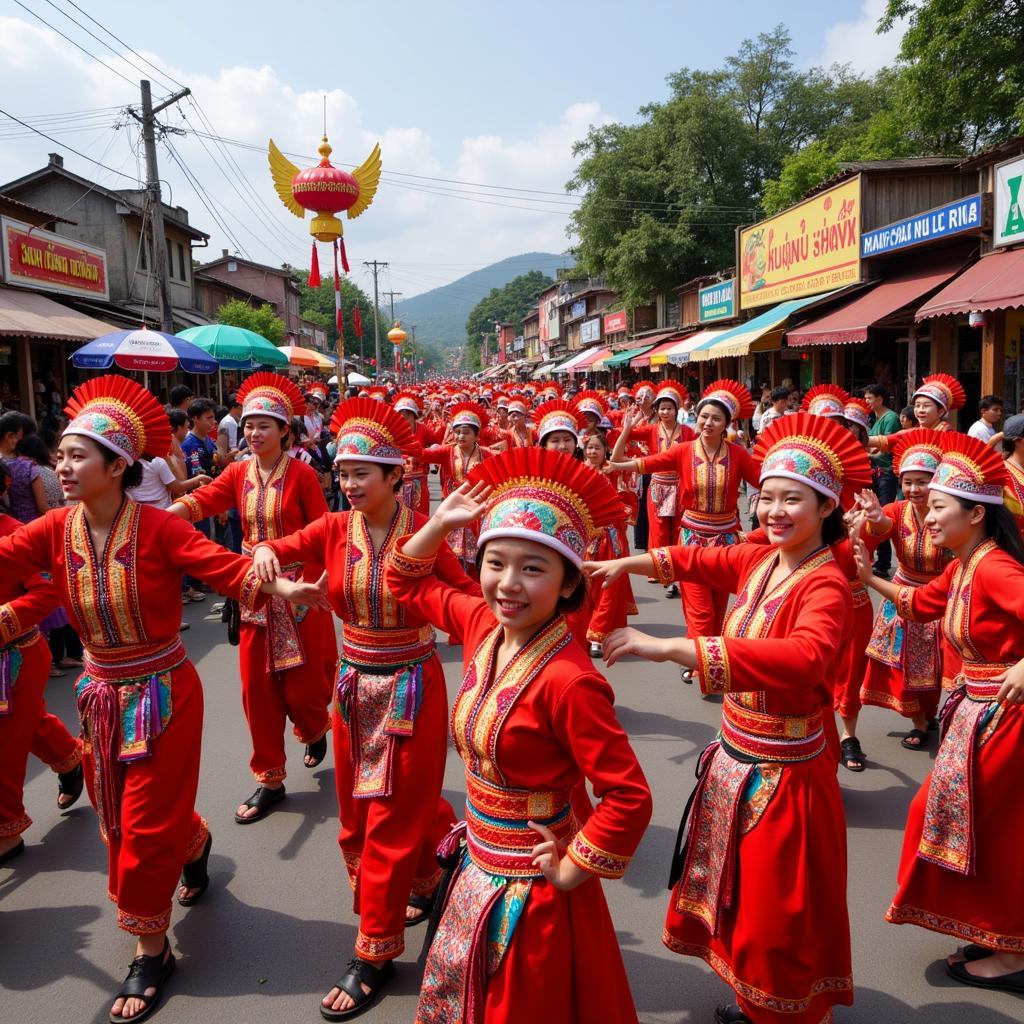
762 874
286 655
525 933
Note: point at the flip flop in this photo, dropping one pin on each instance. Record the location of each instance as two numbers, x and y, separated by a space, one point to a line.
195 875
70 784
850 754
317 751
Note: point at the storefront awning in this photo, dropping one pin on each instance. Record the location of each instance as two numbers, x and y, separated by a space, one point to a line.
619 359
28 315
761 334
849 324
655 343
996 281
571 362
589 362
543 370
679 353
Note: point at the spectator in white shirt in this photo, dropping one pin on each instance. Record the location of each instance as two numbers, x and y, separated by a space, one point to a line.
779 407
991 412
227 430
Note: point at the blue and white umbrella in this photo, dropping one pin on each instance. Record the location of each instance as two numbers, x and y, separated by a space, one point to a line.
145 351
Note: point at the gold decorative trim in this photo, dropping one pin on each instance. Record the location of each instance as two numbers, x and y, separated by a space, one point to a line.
584 854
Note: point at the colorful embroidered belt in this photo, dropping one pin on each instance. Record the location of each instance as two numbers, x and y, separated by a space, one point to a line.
122 666
498 838
10 665
978 679
755 736
711 522
385 650
905 577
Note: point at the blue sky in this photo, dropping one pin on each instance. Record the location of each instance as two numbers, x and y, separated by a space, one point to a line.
475 92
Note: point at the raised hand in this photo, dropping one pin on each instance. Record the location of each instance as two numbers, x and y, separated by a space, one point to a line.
463 506
863 559
621 643
605 573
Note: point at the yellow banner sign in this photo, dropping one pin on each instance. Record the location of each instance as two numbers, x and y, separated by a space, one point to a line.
813 247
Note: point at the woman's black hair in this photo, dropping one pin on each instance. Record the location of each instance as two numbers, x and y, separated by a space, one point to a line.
132 475
572 577
1000 526
33 447
833 529
718 405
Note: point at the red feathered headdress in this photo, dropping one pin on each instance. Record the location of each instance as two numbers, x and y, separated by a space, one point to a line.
120 415
592 402
944 390
558 414
545 497
917 451
270 394
469 414
731 394
816 451
825 400
368 431
969 469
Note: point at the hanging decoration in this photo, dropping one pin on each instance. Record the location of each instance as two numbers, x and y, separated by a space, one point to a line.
325 190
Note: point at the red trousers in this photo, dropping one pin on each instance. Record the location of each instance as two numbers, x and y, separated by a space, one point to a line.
661 530
160 829
301 694
26 728
703 609
853 663
390 843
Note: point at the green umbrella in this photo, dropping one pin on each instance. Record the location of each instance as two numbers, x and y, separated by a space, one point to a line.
234 347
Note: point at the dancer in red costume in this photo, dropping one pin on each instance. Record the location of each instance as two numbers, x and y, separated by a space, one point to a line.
25 724
665 433
520 434
938 396
710 470
455 460
391 709
114 564
762 874
962 870
525 934
415 492
286 655
904 668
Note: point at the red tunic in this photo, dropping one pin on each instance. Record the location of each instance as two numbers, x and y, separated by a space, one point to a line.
904 659
962 869
388 766
708 499
663 494
528 739
123 601
24 669
454 466
286 654
764 876
1014 492
526 439
415 493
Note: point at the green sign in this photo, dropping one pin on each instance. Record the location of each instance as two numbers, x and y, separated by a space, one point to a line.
1008 226
717 301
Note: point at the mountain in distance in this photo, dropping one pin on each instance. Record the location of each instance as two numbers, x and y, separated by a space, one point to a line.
440 315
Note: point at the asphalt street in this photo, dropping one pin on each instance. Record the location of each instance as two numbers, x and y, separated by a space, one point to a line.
276 927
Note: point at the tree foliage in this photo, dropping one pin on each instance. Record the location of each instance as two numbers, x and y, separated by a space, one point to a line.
508 304
262 320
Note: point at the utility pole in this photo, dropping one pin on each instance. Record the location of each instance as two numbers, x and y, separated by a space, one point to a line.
377 267
391 296
415 364
483 346
156 210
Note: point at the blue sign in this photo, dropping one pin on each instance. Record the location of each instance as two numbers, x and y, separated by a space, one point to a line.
951 219
578 308
717 301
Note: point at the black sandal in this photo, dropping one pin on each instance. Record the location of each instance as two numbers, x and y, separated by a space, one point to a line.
145 972
316 750
195 875
1012 982
731 1014
360 971
424 903
851 755
263 800
920 735
15 851
972 951
70 784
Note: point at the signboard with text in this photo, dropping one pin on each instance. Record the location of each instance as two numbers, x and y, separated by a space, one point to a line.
1008 219
578 309
616 322
39 259
943 221
812 247
590 330
717 301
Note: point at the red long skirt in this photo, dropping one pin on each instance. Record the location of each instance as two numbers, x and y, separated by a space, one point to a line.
789 892
301 695
987 906
389 843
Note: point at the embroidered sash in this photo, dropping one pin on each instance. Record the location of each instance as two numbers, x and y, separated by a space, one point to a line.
912 647
10 666
969 718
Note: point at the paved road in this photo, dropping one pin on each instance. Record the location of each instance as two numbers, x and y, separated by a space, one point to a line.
276 926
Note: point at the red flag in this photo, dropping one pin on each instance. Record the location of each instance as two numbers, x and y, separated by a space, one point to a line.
357 321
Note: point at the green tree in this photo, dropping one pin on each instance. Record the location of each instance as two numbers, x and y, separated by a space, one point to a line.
508 304
262 320
963 69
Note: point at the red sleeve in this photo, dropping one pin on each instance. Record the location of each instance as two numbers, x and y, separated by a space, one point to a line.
308 544
449 570
758 536
686 434
189 551
213 498
29 550
786 664
668 461
719 568
585 722
437 455
750 468
37 599
927 603
415 583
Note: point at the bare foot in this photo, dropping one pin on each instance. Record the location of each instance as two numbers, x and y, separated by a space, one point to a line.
336 999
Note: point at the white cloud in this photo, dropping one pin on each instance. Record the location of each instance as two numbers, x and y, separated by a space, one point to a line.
858 43
422 234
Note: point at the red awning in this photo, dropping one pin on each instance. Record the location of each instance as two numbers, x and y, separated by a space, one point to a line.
996 281
849 324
